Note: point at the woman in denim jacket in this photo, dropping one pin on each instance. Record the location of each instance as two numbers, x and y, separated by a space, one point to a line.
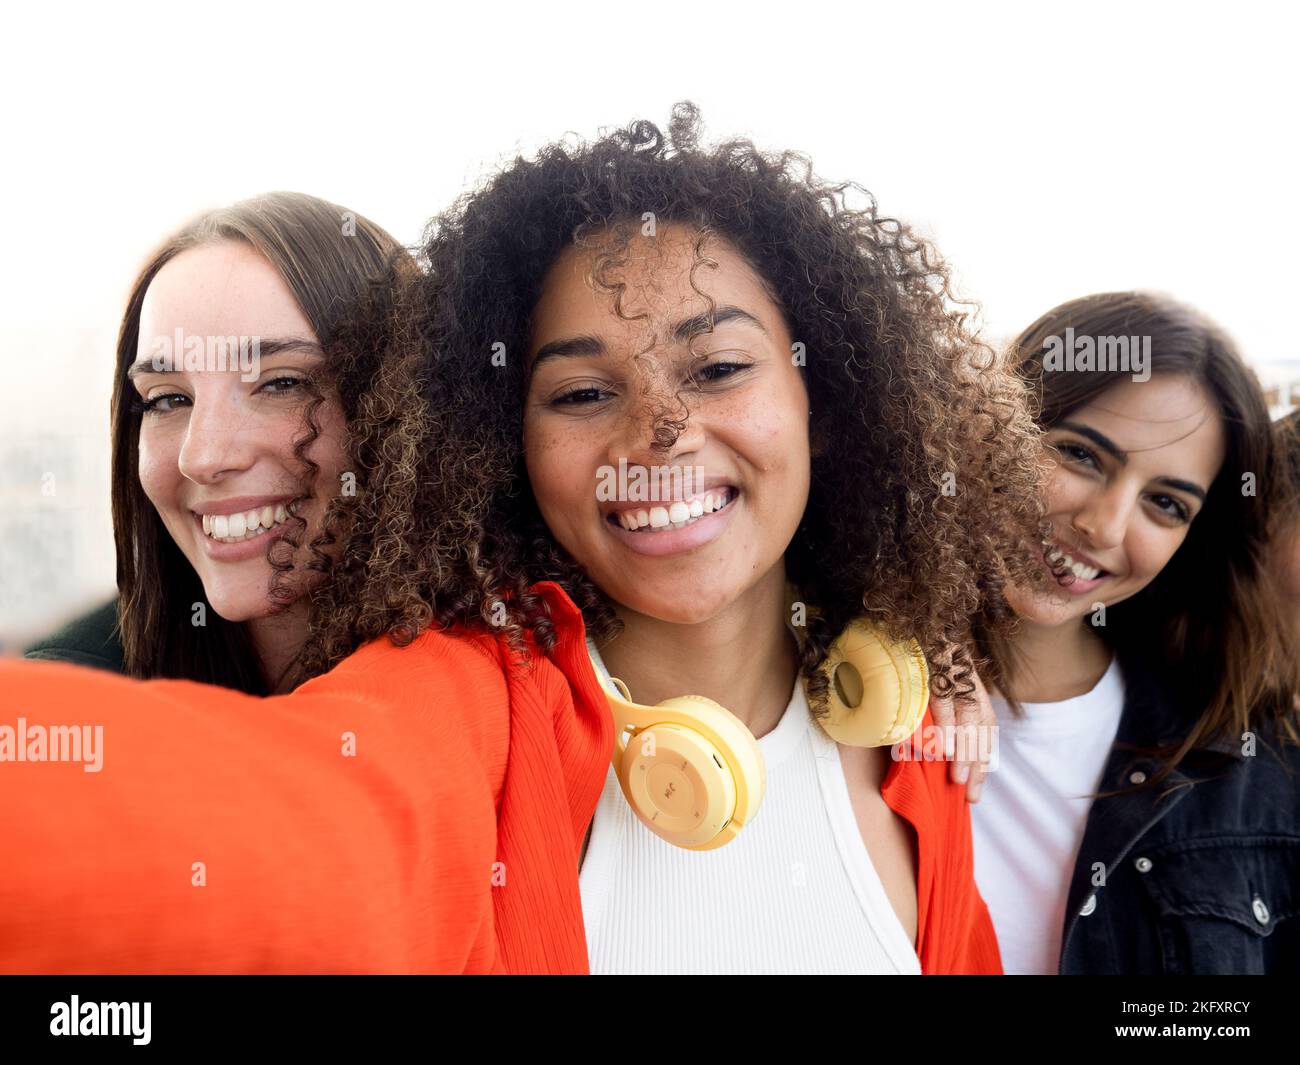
1145 812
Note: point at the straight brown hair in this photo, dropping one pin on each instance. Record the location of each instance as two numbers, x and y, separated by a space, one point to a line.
336 263
1211 625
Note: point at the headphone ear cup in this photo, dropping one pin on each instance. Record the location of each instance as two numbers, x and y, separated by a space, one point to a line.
695 777
878 689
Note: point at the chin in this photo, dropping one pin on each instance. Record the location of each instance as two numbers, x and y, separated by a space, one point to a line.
1060 616
1042 609
239 607
689 607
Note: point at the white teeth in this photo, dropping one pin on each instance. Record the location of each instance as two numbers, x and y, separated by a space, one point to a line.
676 515
235 528
1081 570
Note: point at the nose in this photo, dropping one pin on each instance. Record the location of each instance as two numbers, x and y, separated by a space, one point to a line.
1104 517
657 428
215 445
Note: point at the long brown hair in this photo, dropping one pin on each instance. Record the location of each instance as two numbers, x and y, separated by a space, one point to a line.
1210 625
336 263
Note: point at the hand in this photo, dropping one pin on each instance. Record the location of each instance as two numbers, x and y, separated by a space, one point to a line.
980 741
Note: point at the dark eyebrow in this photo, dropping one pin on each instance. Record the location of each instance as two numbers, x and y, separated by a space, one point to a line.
682 331
1183 486
702 323
583 345
1100 439
1107 444
267 348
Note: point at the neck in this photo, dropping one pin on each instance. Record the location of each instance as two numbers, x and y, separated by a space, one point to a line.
1055 662
277 639
743 658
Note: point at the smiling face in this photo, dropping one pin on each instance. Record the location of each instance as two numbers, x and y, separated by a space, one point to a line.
215 450
600 386
1131 470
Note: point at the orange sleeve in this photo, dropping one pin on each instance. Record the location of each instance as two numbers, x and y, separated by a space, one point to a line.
955 933
963 939
347 827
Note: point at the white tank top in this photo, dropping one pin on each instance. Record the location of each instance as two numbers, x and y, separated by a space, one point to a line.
794 892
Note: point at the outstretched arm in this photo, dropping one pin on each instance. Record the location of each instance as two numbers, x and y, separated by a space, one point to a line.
347 827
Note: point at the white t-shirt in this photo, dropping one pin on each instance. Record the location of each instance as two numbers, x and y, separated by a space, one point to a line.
1030 819
794 892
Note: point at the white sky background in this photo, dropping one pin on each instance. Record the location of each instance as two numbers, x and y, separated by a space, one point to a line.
1051 151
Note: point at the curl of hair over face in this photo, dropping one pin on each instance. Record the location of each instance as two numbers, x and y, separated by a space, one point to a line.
924 493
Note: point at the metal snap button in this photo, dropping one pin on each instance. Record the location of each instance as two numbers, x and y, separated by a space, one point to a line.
1137 777
1089 904
1261 911
1143 865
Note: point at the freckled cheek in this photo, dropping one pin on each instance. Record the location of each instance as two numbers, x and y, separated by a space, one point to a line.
558 473
771 439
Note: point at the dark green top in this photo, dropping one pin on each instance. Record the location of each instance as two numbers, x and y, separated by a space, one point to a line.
90 640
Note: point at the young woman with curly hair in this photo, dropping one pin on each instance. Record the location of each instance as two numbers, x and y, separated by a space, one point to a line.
1143 817
642 301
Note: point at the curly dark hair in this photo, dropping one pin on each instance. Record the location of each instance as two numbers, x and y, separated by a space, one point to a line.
927 505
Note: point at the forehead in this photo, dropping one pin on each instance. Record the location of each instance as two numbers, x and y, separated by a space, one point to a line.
664 278
1168 424
222 289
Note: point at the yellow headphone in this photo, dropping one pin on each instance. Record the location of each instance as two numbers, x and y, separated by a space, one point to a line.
694 774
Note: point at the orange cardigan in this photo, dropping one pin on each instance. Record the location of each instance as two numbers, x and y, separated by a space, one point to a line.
415 809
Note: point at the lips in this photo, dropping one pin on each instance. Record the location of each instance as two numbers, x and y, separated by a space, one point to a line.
1082 574
676 514
240 527
670 538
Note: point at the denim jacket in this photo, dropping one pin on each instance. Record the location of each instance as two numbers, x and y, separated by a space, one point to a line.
1201 873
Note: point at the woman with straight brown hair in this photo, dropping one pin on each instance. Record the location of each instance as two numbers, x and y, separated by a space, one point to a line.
232 392
1144 816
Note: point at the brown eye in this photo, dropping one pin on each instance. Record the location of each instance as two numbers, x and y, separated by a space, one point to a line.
158 404
1175 508
1078 454
288 383
581 395
719 371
